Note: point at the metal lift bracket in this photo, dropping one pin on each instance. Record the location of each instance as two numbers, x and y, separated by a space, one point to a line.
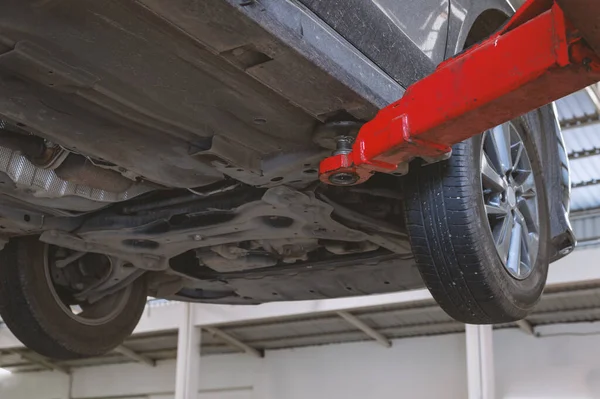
537 57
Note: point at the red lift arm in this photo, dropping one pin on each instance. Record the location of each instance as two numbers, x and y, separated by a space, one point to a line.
539 56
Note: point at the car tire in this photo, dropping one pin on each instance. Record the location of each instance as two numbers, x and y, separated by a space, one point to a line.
456 240
32 312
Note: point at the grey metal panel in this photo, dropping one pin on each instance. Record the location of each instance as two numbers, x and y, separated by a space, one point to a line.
574 106
586 228
404 318
582 137
310 340
570 316
585 198
217 350
585 169
152 342
587 298
288 328
573 109
109 358
578 139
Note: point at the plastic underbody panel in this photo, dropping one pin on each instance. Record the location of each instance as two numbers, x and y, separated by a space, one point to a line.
189 93
186 94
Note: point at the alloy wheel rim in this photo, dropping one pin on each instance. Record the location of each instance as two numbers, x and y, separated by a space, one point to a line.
510 199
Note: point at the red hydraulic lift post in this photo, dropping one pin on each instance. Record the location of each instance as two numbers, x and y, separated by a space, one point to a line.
539 56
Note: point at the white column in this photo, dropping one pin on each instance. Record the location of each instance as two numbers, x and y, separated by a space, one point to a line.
188 356
480 362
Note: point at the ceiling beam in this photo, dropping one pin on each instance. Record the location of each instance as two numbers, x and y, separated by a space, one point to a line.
38 359
578 293
232 341
586 183
133 355
584 153
582 121
584 213
585 120
362 326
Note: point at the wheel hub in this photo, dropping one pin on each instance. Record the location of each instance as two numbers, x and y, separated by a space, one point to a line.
510 199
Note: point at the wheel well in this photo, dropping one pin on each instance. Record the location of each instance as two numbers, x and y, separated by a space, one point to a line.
487 23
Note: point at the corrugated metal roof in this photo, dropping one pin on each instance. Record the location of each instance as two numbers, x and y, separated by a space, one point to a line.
585 198
582 137
558 305
581 130
575 106
584 169
586 228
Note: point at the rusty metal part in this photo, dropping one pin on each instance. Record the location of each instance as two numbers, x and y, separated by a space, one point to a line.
79 170
52 157
38 151
31 147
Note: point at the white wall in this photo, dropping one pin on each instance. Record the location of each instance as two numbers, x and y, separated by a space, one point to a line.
428 367
412 368
360 370
43 385
565 366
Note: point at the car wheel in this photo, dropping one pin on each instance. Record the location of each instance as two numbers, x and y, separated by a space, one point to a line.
478 225
37 301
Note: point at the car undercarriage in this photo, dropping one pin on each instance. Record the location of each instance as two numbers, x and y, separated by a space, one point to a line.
190 155
172 149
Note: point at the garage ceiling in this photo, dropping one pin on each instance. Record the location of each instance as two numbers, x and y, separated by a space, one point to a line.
580 303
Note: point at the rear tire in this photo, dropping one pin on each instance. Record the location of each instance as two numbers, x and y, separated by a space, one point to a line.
31 311
452 240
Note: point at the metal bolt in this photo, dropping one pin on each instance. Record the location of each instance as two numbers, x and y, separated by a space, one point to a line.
343 178
566 250
343 145
197 237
